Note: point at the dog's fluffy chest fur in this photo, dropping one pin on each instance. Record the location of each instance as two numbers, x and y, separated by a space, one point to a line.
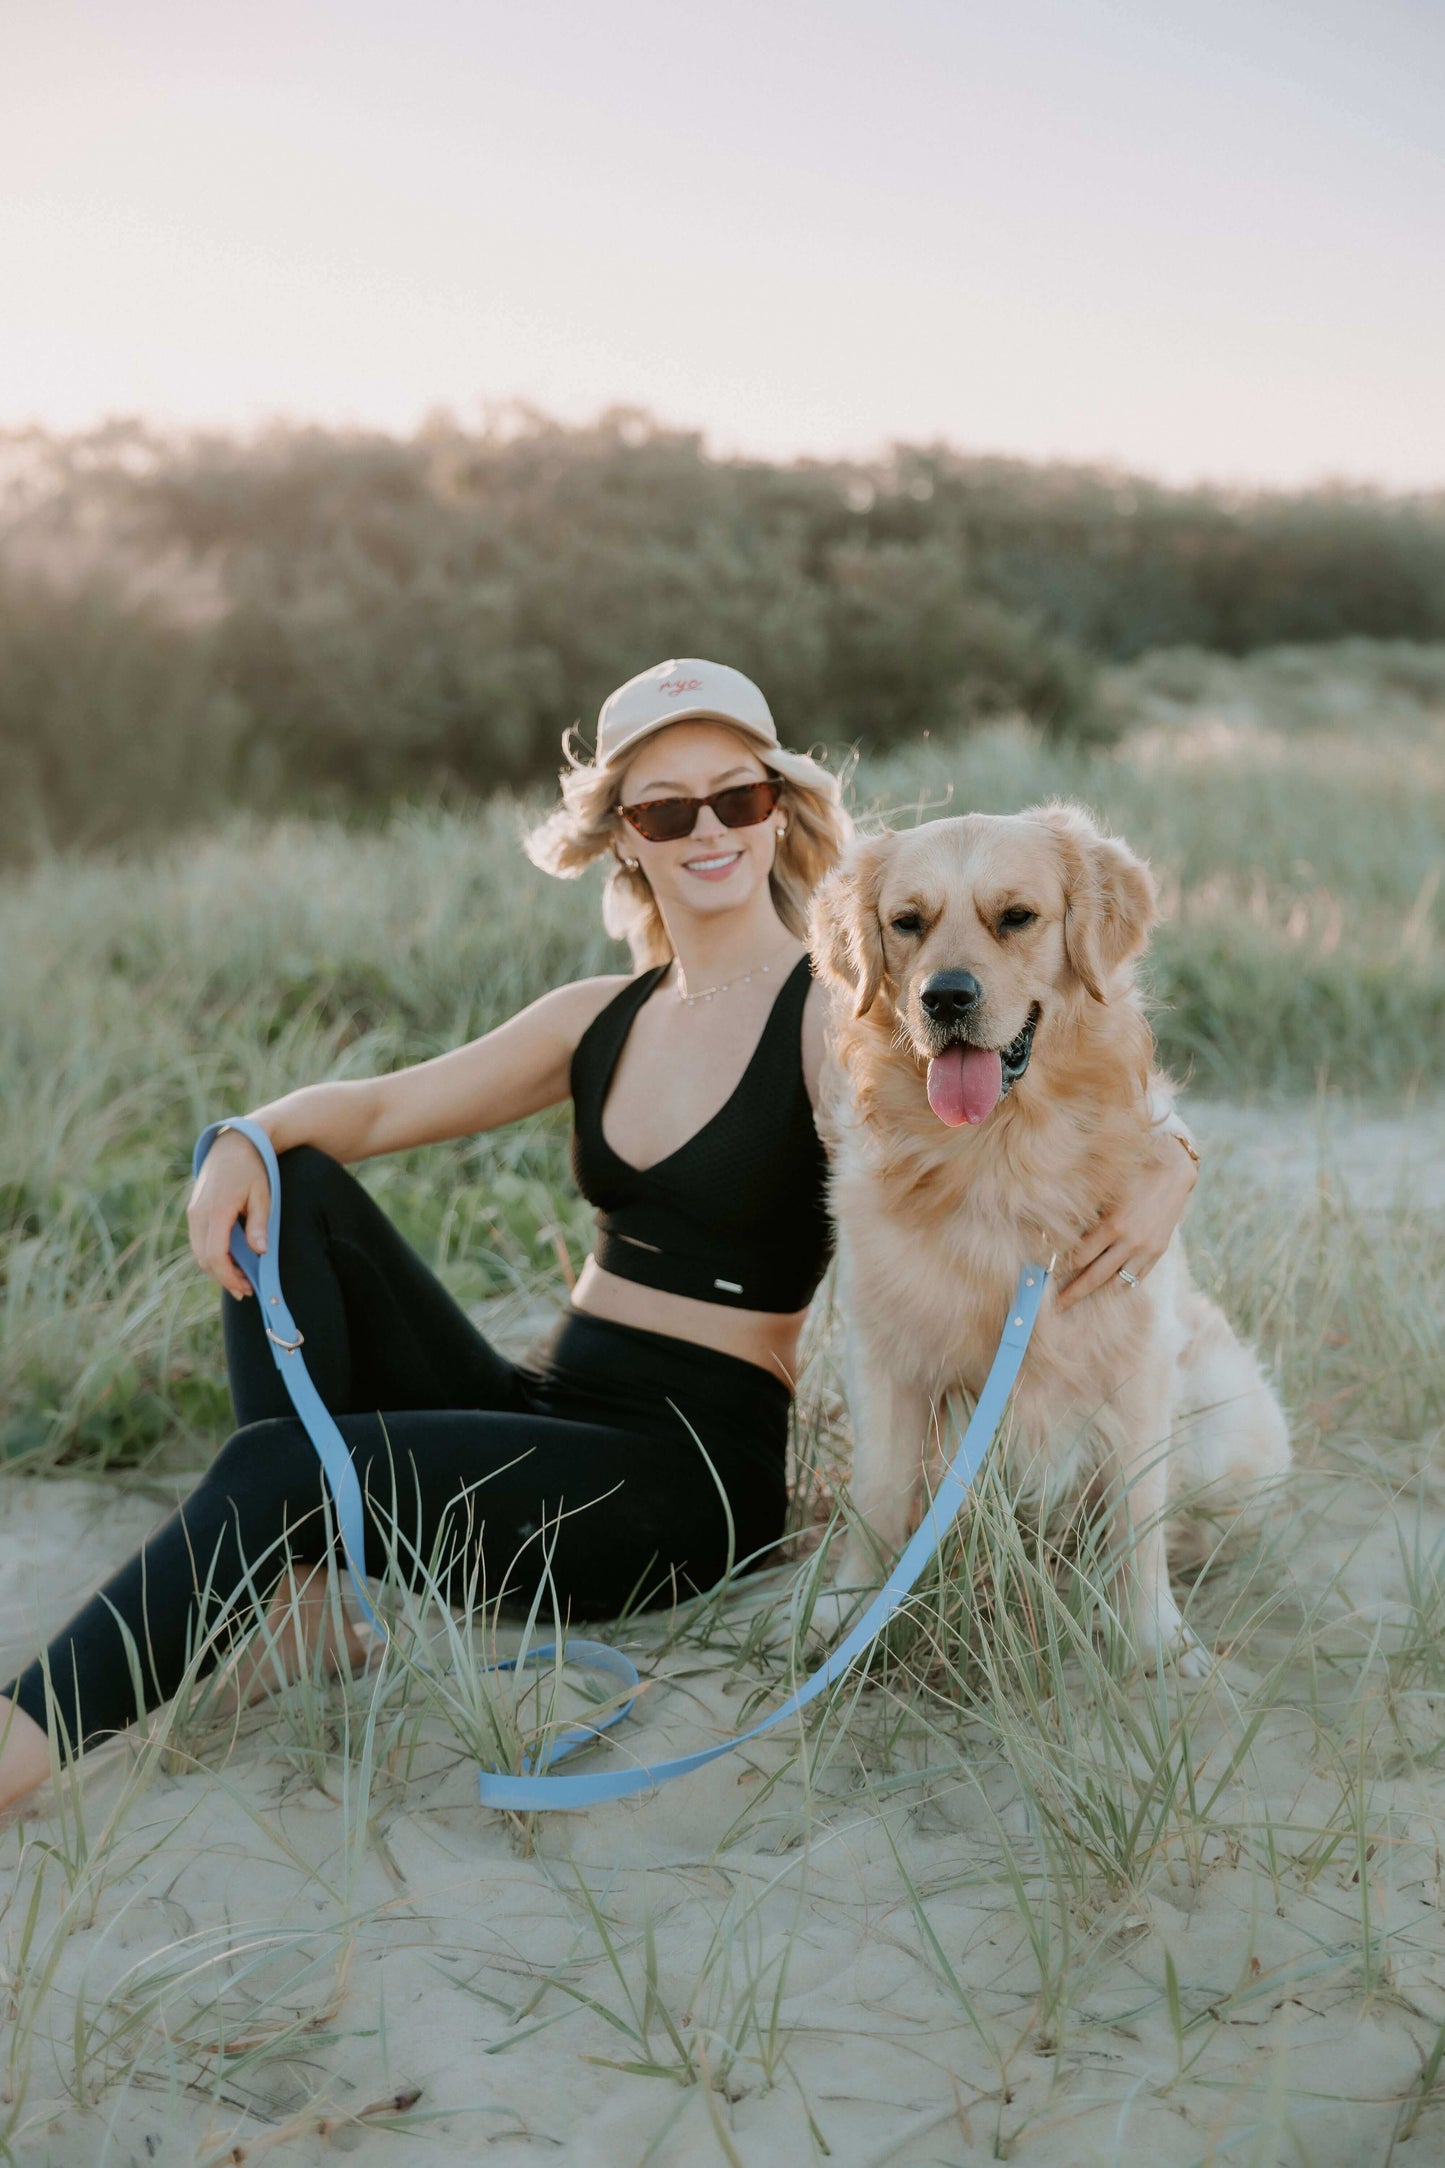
938 1225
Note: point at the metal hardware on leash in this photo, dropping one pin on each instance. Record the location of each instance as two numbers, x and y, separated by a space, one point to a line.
537 1789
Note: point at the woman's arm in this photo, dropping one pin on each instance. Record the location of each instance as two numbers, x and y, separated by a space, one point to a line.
1169 1121
521 1067
1135 1235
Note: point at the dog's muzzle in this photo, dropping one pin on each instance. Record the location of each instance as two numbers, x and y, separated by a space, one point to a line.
967 1078
1013 1058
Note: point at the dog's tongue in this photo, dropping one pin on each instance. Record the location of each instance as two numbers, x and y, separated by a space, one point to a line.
964 1084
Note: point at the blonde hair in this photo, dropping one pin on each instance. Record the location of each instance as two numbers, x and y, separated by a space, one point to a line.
587 825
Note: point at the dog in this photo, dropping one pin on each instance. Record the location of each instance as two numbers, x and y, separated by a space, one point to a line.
988 1100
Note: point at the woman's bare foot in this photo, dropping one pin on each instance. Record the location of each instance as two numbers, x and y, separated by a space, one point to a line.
301 1622
24 1754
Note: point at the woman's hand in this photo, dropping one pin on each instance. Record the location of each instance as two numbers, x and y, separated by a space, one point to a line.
232 1185
1135 1235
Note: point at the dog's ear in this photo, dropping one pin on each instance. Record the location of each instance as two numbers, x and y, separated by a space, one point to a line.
843 930
1110 898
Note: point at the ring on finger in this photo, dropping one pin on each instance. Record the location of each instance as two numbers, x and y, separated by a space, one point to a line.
1130 1279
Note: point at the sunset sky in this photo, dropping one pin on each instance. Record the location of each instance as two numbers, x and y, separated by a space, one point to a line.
1194 239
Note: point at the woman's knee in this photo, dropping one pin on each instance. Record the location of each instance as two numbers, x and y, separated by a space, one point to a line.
267 1479
309 1175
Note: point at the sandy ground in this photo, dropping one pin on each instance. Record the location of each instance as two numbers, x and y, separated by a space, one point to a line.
1377 1160
1228 2006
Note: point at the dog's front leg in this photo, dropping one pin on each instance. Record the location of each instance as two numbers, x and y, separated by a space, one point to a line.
1137 1422
892 1419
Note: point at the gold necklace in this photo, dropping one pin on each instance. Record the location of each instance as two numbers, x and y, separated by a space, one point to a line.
706 993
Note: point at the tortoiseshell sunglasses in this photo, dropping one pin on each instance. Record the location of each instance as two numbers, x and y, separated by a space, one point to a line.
667 820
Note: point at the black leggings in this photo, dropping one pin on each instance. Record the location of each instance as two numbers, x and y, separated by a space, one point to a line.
570 1466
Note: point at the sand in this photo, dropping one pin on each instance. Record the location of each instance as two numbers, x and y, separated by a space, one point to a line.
536 1998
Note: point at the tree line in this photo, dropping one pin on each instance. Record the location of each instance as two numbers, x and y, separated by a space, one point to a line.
312 617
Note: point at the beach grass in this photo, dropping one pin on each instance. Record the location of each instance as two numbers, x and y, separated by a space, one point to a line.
1004 1897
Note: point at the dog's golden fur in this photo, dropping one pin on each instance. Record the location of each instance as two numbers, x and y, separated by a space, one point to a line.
1145 1391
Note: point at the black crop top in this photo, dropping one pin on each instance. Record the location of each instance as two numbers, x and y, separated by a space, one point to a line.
738 1214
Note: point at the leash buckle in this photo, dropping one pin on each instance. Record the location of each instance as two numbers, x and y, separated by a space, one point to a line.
290 1346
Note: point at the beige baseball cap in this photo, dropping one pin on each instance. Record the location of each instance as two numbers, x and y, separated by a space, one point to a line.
686 689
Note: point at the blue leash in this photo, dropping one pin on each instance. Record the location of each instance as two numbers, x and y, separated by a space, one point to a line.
537 1789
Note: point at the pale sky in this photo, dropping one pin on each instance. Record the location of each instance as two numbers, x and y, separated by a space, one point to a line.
1200 238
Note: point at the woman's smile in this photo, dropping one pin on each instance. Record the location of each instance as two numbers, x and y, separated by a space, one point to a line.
716 867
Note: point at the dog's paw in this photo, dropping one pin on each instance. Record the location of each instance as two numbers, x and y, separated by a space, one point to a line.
1152 1631
1169 1641
1189 1656
833 1613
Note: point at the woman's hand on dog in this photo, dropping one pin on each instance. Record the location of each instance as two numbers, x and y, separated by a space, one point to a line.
1135 1235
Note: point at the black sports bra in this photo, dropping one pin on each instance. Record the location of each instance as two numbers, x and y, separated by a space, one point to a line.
738 1214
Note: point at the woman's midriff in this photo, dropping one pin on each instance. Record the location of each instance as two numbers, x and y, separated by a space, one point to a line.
757 1336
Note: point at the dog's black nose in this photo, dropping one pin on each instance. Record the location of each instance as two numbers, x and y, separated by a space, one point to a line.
949 995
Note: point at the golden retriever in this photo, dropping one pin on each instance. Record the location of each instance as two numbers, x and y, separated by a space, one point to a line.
989 1098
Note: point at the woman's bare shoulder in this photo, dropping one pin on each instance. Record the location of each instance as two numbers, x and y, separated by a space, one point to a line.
571 1008
586 997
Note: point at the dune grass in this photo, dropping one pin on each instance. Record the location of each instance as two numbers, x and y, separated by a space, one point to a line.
1004 1898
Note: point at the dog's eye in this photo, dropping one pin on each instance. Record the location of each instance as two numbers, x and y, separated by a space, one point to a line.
1019 915
907 922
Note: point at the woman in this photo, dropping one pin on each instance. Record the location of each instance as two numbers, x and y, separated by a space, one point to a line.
639 1452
